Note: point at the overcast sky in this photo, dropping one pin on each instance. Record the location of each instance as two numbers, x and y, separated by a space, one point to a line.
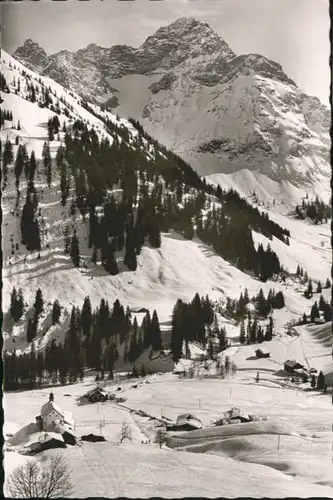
294 33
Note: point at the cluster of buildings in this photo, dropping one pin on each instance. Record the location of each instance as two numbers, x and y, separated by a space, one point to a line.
52 428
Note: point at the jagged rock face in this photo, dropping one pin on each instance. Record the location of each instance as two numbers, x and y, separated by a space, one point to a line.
184 40
34 55
220 111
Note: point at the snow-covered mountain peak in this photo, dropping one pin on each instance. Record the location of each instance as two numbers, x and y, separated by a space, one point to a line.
222 112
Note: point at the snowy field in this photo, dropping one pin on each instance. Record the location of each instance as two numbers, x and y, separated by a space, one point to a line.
289 443
179 269
287 453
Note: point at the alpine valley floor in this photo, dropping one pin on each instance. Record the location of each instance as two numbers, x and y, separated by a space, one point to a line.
287 453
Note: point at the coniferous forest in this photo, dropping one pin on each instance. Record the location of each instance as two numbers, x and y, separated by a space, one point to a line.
94 337
130 190
159 192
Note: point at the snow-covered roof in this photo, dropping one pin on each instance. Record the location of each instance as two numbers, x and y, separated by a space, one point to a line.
50 406
292 363
236 413
37 437
188 418
92 391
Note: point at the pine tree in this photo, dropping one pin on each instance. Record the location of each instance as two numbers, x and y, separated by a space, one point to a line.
30 232
31 167
56 312
130 252
47 163
319 287
321 381
260 335
19 164
313 381
242 335
20 304
253 331
86 316
309 289
67 241
177 331
156 333
94 256
269 330
227 365
39 302
31 329
13 304
314 312
223 340
262 304
7 158
278 302
74 250
248 329
72 344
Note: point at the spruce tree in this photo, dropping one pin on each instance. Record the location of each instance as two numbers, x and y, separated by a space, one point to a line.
94 255
309 289
130 254
56 312
32 329
67 241
321 381
313 381
46 155
74 250
260 334
7 158
39 302
242 335
20 304
177 331
32 166
156 333
223 340
314 312
72 344
13 304
19 164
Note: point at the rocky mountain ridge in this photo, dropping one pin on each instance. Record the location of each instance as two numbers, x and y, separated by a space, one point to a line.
222 112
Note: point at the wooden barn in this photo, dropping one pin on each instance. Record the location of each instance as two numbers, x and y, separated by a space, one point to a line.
260 353
96 395
45 441
185 422
290 366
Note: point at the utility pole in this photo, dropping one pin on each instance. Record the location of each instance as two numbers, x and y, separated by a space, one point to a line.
279 436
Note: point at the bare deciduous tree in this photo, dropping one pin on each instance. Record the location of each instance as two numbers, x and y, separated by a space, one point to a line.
160 437
35 480
126 432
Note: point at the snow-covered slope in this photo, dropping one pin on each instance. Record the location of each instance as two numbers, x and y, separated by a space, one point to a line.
222 112
287 453
179 269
